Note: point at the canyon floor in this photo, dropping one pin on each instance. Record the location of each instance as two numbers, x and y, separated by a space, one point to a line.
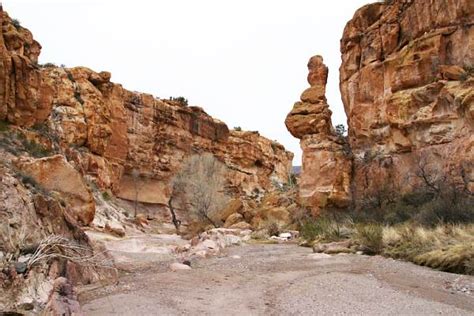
284 279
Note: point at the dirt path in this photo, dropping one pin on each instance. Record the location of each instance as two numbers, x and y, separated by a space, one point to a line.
287 280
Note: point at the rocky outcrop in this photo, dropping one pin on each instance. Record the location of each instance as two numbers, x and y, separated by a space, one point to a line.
25 99
129 143
55 174
326 170
408 90
407 86
78 150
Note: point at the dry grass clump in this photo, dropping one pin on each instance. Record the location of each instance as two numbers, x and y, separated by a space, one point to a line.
325 229
444 247
369 237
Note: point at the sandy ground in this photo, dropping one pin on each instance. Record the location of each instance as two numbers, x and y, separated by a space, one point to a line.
286 280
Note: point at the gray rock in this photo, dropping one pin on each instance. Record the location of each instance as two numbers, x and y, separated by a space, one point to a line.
20 267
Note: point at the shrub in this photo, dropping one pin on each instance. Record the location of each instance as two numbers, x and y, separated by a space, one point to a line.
181 100
273 229
28 180
198 187
4 126
16 23
238 128
48 65
34 149
370 238
323 229
105 196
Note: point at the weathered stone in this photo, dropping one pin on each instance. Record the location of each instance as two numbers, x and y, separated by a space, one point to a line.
176 266
233 219
56 174
409 100
326 169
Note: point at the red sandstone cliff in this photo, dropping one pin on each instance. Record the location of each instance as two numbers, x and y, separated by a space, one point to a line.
69 137
106 131
407 84
408 90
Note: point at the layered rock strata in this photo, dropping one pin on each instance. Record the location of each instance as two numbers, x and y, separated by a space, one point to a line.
407 86
124 140
326 168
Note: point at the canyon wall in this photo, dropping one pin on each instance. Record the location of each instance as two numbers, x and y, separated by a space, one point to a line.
123 140
407 84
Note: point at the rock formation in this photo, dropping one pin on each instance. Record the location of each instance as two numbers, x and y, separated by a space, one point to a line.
407 85
70 139
120 138
326 169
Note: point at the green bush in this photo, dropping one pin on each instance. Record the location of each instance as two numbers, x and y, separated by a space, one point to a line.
323 229
48 65
238 128
16 23
106 196
34 149
4 126
181 100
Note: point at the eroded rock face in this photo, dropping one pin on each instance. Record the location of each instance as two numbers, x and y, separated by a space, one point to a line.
56 174
127 141
326 169
24 97
408 90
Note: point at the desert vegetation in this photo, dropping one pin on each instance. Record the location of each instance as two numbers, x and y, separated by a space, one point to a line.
199 190
430 226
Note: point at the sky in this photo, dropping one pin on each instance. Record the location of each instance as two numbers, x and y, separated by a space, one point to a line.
243 61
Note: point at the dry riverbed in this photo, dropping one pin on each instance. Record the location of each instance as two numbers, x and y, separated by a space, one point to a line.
285 280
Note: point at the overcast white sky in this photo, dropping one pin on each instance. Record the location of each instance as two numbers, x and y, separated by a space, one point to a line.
243 61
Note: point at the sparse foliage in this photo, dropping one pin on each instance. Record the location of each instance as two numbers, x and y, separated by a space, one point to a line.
181 100
341 130
199 188
16 23
238 128
48 65
58 247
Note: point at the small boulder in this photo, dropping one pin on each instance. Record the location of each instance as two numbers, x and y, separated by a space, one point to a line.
20 267
333 247
176 266
233 219
241 225
287 236
452 72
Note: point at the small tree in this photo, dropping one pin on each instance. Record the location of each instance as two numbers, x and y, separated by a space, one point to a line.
199 187
136 189
341 130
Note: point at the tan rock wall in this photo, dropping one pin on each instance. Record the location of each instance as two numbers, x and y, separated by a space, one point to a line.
110 133
408 90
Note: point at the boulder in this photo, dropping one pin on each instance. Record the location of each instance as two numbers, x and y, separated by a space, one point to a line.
176 266
233 219
56 174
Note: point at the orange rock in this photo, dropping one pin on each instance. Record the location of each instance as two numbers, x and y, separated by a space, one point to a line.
56 174
119 132
399 109
326 170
